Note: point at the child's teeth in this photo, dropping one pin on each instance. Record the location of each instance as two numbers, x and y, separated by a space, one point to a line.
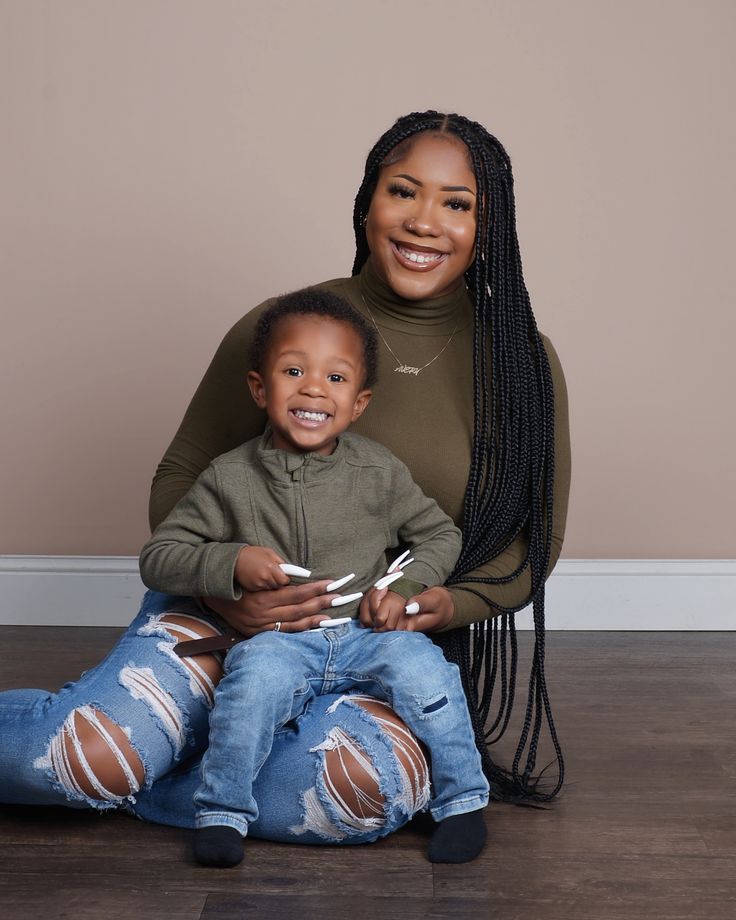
311 416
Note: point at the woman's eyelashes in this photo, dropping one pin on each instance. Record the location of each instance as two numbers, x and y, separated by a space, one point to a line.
454 203
458 204
401 191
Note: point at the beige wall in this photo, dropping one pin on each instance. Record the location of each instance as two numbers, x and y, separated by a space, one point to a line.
166 165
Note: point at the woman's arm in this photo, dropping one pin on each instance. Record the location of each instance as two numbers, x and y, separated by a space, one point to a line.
220 416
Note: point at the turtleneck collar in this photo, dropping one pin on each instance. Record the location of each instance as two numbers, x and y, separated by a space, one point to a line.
433 314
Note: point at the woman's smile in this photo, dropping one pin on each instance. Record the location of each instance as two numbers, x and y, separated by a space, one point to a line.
417 258
422 219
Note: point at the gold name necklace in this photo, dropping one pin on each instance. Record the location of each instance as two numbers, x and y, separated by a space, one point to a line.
402 368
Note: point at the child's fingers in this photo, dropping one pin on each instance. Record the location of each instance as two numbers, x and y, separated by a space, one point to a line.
364 611
391 608
369 606
376 599
277 576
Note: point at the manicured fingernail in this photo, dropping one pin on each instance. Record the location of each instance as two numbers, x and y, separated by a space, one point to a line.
294 569
340 601
397 561
408 562
411 608
336 585
385 580
336 621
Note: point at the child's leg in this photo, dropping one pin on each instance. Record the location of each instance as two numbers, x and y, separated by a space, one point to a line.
101 739
337 774
266 684
411 673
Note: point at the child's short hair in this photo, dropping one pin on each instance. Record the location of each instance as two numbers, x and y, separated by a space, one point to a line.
314 301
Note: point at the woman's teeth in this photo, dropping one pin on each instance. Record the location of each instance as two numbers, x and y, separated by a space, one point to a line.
421 257
311 416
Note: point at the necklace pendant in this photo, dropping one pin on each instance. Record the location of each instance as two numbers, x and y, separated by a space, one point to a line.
407 369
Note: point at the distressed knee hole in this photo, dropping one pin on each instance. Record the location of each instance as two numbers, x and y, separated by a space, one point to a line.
92 756
409 752
351 780
206 670
143 685
347 797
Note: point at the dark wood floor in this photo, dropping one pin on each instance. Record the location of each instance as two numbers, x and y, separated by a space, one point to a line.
645 828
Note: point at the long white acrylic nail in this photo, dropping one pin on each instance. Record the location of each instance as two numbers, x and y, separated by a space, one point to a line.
339 601
408 562
397 561
385 580
411 608
290 569
336 585
336 621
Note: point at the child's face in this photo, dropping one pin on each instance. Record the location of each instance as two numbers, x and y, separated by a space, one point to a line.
311 384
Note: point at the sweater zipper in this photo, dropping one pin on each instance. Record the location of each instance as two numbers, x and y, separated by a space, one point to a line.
298 475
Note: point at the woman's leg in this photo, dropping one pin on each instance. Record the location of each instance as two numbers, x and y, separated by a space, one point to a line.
123 724
337 774
125 730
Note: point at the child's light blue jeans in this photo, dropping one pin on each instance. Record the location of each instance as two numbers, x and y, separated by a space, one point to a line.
273 679
164 708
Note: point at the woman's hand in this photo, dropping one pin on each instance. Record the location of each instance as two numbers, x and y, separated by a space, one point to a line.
295 607
383 610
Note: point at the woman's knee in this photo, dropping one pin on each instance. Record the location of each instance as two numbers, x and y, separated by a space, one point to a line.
93 758
352 780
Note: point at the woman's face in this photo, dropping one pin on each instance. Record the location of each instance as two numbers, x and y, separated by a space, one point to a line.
421 222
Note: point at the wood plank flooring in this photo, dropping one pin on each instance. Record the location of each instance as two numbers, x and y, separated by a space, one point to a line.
645 827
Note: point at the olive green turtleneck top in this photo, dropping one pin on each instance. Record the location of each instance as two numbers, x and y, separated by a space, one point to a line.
426 420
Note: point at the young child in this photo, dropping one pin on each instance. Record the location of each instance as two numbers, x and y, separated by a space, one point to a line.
308 492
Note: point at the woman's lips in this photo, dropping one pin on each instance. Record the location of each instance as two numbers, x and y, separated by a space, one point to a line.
417 259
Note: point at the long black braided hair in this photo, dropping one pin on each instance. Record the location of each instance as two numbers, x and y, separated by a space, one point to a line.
510 483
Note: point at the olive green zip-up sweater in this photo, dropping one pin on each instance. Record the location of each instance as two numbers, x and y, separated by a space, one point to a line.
332 514
425 420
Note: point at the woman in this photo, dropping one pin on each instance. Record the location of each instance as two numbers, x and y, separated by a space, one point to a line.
438 272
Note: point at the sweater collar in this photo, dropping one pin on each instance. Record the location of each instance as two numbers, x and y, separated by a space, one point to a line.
285 465
385 304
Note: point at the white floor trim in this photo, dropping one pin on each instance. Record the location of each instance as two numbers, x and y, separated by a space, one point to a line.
625 594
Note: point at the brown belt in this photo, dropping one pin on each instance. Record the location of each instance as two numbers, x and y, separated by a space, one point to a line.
210 644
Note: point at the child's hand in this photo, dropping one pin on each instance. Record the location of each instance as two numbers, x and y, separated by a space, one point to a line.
257 569
382 610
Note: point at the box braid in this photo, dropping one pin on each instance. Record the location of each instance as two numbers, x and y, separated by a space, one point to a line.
510 483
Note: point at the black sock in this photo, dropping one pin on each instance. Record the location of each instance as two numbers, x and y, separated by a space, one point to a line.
218 845
458 838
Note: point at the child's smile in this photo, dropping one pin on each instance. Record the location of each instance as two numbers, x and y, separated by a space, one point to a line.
311 384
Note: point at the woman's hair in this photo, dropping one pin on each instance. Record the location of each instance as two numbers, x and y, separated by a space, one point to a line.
313 301
509 490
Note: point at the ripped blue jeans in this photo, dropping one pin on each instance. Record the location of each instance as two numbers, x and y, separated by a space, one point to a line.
272 680
160 707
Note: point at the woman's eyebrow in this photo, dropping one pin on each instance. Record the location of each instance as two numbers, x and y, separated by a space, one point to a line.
445 188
